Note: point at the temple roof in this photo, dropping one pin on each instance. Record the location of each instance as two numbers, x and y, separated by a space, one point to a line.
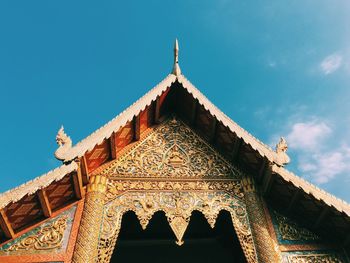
36 184
119 121
235 143
313 190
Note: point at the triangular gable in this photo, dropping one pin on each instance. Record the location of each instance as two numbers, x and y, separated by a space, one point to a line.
126 116
70 154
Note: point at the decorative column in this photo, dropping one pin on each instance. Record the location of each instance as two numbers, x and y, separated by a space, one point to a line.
263 243
85 250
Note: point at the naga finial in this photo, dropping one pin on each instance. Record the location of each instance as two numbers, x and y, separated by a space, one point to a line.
281 150
176 68
64 142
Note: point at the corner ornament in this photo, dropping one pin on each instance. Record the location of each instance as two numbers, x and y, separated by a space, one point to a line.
64 142
281 152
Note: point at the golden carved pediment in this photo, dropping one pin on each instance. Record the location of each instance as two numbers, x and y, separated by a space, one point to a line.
174 170
172 150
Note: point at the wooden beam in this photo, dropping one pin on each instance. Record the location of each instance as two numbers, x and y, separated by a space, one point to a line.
113 147
84 170
293 201
262 169
136 127
193 113
6 225
212 130
321 217
268 181
157 111
78 184
236 148
45 203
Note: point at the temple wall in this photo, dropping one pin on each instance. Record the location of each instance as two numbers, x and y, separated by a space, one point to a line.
298 244
50 241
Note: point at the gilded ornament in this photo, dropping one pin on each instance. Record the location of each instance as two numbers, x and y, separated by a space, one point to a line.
175 171
48 237
172 150
289 230
315 258
178 207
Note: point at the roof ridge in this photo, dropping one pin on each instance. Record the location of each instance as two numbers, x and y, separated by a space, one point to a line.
262 148
107 131
300 182
229 119
40 182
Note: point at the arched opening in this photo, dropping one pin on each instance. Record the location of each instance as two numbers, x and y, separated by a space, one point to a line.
156 244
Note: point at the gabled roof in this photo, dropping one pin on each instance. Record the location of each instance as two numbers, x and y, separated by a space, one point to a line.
105 132
119 121
68 153
126 116
36 184
313 190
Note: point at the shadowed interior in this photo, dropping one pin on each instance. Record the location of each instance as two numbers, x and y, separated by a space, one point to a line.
157 243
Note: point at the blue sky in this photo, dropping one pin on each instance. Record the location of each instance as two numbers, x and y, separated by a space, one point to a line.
276 68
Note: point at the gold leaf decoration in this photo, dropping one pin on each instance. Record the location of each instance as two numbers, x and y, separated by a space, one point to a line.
178 207
172 150
315 258
48 237
289 230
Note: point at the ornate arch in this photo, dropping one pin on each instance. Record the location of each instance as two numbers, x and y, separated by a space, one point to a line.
178 207
173 170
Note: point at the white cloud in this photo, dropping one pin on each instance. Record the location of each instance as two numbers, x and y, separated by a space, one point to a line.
323 167
307 136
316 157
331 63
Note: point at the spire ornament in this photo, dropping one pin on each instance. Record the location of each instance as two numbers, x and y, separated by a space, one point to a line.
176 67
281 150
64 142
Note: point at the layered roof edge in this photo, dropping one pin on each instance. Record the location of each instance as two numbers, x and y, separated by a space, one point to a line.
127 115
119 121
313 190
38 183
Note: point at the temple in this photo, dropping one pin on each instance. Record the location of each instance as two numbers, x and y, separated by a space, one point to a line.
172 179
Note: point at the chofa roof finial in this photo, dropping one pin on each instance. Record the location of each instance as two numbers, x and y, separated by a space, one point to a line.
176 68
281 151
64 142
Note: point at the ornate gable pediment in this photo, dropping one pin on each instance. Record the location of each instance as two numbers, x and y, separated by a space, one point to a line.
172 150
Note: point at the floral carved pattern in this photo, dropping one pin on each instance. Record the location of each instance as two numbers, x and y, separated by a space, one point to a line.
315 258
116 187
175 171
289 230
172 150
178 207
48 237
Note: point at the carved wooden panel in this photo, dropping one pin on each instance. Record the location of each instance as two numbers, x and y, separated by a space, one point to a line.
99 155
145 119
61 192
314 257
124 136
178 207
50 237
25 212
290 232
172 150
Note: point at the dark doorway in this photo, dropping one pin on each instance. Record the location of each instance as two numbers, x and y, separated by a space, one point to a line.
156 244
